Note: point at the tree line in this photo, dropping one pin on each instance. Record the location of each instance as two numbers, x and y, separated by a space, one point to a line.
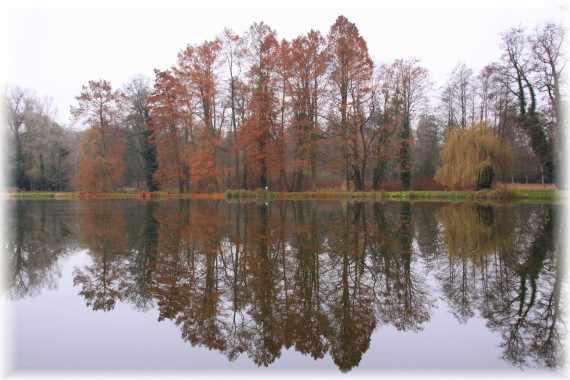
316 112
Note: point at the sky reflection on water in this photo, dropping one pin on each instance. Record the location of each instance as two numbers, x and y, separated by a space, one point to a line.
358 286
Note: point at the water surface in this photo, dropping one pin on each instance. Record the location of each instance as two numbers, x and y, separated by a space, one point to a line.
327 286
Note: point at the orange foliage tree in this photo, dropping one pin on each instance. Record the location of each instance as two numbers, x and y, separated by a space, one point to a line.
197 73
171 131
101 166
257 134
305 61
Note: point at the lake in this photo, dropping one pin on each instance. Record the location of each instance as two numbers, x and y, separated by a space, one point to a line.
284 285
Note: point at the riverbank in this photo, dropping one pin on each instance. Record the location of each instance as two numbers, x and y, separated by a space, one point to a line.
457 196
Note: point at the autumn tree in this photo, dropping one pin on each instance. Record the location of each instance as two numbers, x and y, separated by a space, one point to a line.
351 74
470 158
102 145
197 71
305 61
170 131
257 134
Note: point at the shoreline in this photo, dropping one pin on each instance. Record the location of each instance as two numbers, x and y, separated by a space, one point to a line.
451 196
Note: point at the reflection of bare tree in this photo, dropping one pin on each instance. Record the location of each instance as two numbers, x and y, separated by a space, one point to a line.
507 269
403 296
39 235
350 299
526 312
312 326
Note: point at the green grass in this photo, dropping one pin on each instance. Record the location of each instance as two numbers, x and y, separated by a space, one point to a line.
496 195
65 195
457 196
33 194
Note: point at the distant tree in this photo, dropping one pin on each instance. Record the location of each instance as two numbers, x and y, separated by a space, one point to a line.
426 147
470 158
14 107
100 108
39 150
461 86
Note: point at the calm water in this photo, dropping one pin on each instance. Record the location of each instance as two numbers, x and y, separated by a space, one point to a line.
330 286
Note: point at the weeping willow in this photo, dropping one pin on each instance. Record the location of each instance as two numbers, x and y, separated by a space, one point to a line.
470 158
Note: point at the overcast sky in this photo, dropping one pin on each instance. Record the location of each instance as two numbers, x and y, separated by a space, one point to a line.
54 47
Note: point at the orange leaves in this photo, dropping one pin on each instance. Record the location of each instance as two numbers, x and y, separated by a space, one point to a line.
101 167
184 119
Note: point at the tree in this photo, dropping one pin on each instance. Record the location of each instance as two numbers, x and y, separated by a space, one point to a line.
257 134
548 55
351 73
462 86
305 61
426 147
233 52
101 109
39 150
402 90
471 157
170 131
141 157
518 71
412 83
14 109
197 73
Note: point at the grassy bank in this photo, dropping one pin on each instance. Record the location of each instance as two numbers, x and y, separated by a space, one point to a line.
457 196
66 195
498 195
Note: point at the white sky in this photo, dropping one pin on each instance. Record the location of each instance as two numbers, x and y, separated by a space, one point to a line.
53 47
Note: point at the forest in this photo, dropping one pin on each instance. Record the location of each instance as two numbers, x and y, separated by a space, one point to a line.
314 113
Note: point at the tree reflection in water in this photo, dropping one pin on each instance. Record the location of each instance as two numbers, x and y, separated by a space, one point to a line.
255 279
